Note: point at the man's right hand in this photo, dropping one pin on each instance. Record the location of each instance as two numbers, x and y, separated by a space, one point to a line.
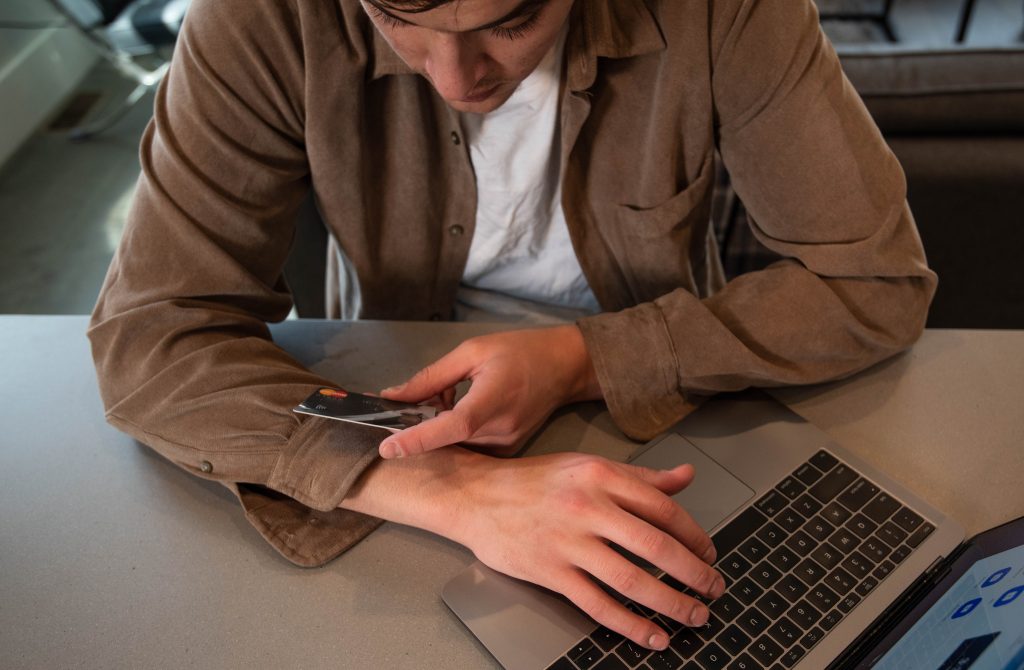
550 519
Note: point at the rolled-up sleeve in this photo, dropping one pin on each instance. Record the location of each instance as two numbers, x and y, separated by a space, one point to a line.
823 190
179 335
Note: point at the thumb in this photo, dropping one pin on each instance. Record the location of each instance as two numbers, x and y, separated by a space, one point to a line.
445 429
668 482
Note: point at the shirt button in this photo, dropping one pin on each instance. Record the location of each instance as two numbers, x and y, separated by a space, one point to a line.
456 231
455 138
206 466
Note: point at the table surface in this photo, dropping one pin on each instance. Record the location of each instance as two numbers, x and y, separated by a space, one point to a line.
112 557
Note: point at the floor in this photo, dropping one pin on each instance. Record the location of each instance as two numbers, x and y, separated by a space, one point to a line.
63 204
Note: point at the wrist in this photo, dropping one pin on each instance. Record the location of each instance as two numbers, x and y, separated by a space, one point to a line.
584 385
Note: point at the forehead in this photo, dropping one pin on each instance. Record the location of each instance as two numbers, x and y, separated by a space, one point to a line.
461 15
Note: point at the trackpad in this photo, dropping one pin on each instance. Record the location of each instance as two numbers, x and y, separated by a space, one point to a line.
714 493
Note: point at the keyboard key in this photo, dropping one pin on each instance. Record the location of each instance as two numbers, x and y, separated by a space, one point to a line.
835 513
668 623
791 588
790 519
844 540
738 530
589 658
753 622
861 526
829 621
772 503
823 598
812 637
765 574
685 643
874 548
881 508
611 662
883 570
792 656
827 556
784 558
753 550
840 581
791 487
745 662
823 460
819 529
746 591
807 474
834 483
562 664
809 572
785 632
664 660
804 614
848 603
733 640
858 495
713 627
891 534
632 653
907 520
713 657
765 650
606 638
771 534
726 608
899 553
920 534
857 565
807 506
866 586
801 543
734 565
772 604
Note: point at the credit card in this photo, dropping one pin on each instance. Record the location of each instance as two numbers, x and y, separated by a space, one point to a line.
367 410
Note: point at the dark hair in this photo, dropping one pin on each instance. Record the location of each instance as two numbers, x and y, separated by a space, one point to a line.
409 6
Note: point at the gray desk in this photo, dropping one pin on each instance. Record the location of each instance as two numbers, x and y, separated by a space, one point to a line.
111 557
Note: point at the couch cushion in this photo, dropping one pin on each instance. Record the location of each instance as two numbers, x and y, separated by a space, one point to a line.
963 91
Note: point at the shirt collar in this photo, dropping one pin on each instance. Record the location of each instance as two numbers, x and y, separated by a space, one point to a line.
598 29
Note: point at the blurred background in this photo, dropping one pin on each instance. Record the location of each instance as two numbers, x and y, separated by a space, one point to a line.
944 79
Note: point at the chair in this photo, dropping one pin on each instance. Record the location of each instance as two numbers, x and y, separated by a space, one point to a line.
135 36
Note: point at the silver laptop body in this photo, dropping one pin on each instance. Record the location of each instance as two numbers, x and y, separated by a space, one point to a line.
742 448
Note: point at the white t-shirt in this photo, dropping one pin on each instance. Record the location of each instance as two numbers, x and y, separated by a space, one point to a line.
521 246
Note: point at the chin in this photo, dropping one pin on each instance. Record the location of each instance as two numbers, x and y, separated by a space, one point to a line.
488 104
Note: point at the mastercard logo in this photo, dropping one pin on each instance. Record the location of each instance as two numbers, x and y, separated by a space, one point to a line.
333 393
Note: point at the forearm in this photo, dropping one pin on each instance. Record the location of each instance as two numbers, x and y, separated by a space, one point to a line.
428 492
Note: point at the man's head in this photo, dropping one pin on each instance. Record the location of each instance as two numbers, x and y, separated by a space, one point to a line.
474 52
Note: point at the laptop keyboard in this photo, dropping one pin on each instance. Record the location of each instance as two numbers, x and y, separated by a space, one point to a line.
795 563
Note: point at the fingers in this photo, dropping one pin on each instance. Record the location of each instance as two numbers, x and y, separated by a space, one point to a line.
447 428
658 509
435 379
608 612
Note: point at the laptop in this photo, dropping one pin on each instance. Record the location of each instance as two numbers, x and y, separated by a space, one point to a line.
828 563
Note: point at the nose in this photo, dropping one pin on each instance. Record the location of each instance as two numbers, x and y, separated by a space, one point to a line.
454 66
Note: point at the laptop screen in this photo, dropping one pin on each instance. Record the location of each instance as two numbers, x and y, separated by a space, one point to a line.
972 621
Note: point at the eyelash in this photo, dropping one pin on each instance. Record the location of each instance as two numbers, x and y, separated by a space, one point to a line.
512 33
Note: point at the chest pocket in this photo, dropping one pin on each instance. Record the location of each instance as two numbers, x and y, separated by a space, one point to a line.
663 248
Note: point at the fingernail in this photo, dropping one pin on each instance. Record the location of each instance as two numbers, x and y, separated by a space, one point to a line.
390 450
700 615
718 588
710 555
393 389
658 641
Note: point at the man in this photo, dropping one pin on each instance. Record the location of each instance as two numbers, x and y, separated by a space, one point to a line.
382 108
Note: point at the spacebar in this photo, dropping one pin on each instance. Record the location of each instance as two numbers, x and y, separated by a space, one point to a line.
738 530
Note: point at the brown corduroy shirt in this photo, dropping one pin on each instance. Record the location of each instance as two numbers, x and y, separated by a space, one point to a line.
267 99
